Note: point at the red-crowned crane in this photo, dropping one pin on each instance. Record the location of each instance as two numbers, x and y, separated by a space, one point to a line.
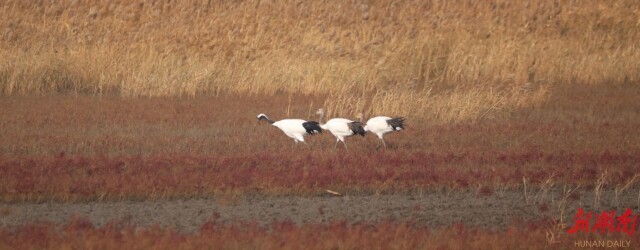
294 128
341 127
381 125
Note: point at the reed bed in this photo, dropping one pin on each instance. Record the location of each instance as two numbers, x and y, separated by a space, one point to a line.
449 61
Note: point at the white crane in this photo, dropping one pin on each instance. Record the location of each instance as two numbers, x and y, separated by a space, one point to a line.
294 128
341 127
380 125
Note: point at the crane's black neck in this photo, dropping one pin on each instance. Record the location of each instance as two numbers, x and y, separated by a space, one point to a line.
266 119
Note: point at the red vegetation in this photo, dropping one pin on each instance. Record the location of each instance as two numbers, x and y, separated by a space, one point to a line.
81 177
66 148
81 234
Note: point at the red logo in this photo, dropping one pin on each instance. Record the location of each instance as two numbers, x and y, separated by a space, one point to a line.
605 222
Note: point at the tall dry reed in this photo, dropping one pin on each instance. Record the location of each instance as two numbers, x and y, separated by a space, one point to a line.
439 60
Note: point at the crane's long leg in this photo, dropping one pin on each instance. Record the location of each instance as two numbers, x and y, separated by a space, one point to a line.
305 143
383 143
335 145
380 135
345 145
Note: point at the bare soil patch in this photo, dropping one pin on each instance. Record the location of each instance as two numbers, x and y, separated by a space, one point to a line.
434 210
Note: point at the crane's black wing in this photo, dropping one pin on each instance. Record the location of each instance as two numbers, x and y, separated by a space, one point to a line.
312 127
396 123
357 128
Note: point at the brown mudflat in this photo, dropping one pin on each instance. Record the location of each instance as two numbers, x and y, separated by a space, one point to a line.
434 210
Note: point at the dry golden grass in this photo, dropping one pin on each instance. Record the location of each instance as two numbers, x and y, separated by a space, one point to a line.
439 60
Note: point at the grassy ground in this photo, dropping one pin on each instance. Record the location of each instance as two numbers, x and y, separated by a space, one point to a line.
118 100
70 148
80 233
